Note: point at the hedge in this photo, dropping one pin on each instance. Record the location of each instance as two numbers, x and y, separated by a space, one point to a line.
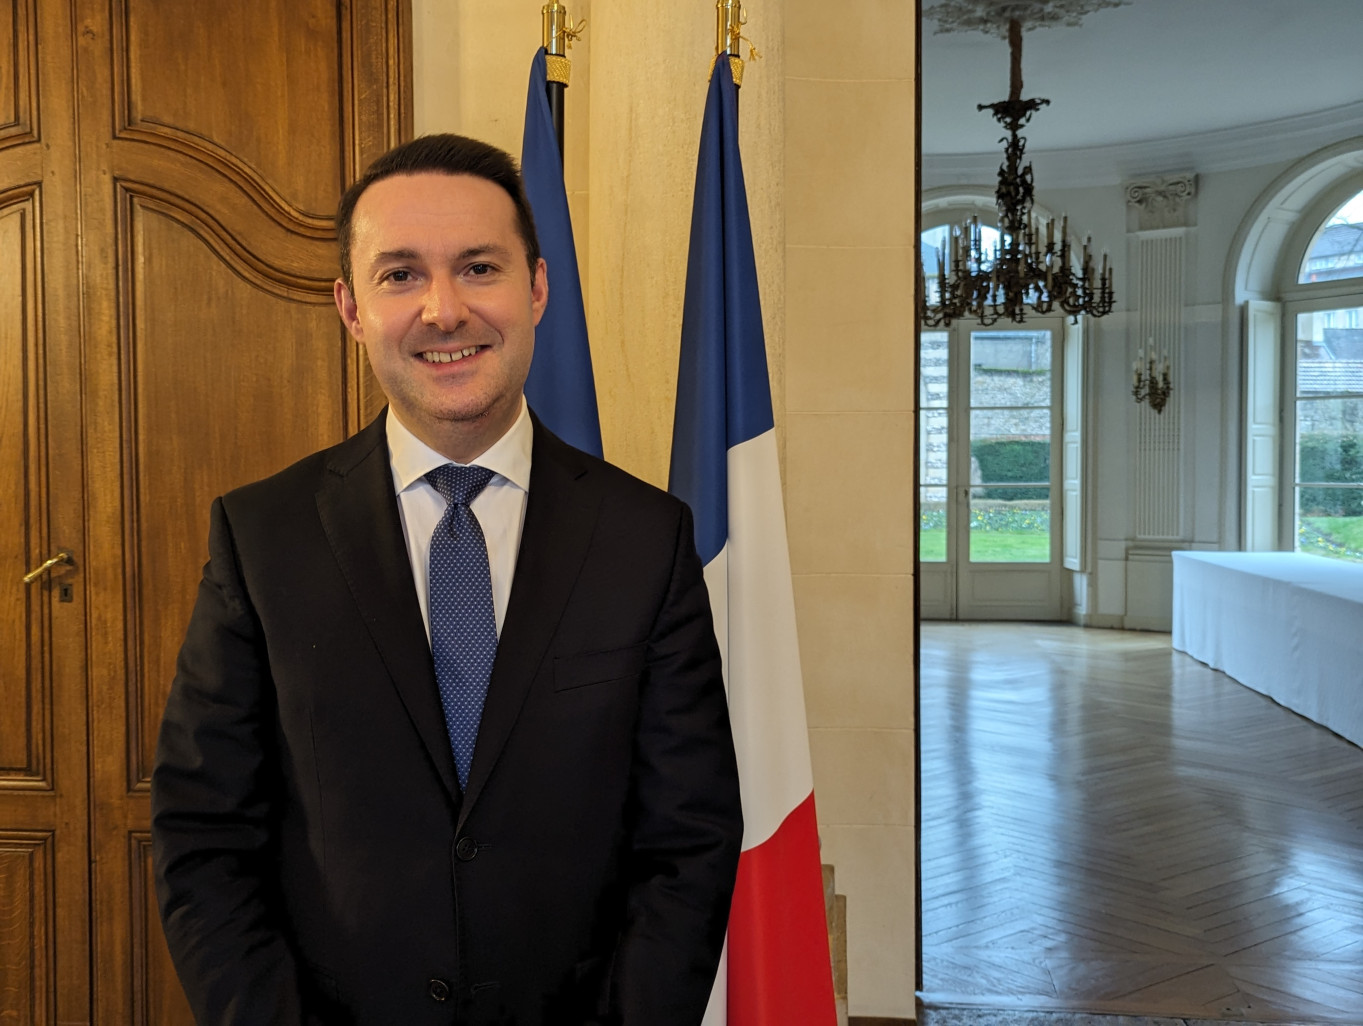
1330 457
1013 459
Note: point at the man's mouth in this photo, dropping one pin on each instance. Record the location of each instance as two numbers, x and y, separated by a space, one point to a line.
431 356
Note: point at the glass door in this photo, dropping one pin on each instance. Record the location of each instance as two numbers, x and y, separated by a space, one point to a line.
1327 464
989 440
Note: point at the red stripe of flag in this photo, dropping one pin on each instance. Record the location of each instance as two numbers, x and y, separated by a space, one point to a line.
780 971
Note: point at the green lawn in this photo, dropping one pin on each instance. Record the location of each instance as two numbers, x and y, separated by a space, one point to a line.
989 546
1340 537
932 545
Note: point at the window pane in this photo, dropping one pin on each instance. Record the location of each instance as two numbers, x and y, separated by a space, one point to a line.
1012 527
932 242
1330 441
1010 368
932 526
1010 447
932 447
1330 430
1337 250
934 250
1330 522
933 352
1330 352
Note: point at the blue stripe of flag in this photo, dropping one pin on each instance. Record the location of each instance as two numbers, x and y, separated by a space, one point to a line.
723 392
560 388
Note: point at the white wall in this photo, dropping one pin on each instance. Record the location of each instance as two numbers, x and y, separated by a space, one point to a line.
1130 581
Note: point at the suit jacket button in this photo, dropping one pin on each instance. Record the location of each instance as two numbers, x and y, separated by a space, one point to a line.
466 849
438 989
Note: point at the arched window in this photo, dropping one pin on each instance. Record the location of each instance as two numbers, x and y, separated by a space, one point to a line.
1323 384
1337 248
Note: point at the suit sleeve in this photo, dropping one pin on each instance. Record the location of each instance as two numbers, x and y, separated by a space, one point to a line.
211 792
687 824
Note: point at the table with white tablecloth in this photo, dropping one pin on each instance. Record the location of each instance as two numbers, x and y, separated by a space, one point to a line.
1287 624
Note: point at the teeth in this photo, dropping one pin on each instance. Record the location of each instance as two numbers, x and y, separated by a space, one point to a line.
431 357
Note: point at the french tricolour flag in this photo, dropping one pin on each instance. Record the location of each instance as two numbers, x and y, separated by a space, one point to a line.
724 464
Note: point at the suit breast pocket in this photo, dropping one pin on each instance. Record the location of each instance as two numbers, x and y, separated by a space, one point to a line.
587 668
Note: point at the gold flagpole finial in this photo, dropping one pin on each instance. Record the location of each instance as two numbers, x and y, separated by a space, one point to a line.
559 32
730 17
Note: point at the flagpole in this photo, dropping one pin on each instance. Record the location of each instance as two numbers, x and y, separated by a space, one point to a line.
556 32
729 19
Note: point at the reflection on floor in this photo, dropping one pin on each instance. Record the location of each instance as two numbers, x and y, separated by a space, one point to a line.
989 1017
1109 826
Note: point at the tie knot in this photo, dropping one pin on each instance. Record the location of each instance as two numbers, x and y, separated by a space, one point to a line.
459 485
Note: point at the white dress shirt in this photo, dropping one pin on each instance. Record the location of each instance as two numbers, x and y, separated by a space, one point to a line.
500 507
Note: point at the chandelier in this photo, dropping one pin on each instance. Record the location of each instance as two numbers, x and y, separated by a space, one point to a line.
1022 272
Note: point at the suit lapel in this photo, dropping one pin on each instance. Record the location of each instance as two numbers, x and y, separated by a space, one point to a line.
559 518
359 513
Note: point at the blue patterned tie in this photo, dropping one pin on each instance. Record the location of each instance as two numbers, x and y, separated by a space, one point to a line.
463 626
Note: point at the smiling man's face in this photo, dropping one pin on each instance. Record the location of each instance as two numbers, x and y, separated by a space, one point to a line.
445 305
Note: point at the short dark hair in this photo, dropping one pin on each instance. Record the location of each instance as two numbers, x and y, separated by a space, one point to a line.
443 154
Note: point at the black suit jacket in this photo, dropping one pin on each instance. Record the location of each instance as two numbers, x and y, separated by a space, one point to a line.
315 859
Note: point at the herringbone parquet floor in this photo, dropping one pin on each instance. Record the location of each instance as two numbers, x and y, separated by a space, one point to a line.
1110 826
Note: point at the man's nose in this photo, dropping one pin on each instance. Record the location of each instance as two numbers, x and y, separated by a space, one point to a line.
444 307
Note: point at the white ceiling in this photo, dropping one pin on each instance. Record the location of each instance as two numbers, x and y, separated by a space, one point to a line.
1150 70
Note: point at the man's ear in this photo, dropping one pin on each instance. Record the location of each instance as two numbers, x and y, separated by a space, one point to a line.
539 290
345 306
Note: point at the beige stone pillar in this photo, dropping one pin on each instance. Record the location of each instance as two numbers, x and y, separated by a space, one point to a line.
851 239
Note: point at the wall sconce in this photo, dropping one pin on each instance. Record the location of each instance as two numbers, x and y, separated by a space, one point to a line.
1150 378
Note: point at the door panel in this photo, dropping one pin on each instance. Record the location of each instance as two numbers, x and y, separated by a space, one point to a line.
25 680
168 175
27 927
283 371
251 90
19 56
44 839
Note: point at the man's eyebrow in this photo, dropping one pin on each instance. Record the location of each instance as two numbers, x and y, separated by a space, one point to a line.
388 256
487 249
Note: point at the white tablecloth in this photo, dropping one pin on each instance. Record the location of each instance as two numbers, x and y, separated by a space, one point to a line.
1287 625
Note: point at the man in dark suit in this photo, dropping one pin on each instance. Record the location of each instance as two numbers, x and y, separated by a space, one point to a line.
348 829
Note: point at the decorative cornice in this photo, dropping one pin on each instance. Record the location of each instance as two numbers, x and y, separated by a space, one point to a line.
992 16
1228 149
1162 202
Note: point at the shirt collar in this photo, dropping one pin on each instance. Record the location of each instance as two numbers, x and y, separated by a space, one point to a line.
508 457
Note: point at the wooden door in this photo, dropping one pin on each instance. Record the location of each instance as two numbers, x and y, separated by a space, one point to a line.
44 843
207 145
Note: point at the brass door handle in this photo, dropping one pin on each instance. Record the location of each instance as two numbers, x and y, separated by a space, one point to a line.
63 556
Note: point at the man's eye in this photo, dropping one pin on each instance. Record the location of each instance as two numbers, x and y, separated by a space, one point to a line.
398 276
478 270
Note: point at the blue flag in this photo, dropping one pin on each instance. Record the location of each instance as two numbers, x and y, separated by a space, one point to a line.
560 388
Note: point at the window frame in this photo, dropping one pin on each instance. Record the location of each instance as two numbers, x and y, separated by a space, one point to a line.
1299 298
